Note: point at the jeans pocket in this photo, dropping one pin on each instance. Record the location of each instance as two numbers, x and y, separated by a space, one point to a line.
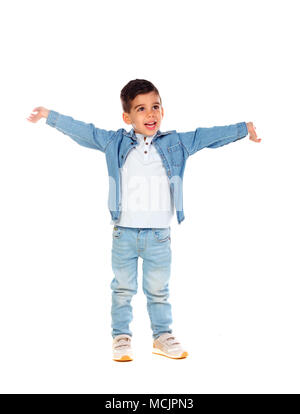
117 232
162 235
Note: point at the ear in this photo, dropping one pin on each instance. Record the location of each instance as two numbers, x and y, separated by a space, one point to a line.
162 112
126 118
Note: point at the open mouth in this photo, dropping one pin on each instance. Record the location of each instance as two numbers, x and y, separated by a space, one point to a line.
151 125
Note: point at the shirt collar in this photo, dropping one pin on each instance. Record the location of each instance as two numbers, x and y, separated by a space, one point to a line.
131 133
140 137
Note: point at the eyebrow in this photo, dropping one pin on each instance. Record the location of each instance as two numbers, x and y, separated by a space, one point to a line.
144 104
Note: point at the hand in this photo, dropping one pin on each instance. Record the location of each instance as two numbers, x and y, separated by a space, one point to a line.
41 113
252 133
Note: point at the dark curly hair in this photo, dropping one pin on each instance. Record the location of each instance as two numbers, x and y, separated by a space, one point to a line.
132 89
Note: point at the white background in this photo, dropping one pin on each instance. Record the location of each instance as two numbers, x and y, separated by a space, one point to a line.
234 287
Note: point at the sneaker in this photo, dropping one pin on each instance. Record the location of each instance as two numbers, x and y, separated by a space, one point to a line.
167 345
122 351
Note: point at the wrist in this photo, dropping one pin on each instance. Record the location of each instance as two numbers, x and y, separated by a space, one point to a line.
249 125
45 113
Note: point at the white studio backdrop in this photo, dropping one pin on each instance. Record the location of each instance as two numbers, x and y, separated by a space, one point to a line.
235 273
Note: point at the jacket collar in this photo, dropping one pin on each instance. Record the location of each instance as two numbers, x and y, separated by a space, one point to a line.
131 134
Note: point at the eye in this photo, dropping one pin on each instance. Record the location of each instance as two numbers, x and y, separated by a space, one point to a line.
156 106
141 107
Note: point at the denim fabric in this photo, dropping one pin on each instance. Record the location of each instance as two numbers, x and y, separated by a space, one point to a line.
173 147
153 245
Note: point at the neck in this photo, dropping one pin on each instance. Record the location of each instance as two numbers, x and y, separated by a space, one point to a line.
144 135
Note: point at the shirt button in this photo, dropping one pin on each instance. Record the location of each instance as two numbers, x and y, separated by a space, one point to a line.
131 143
145 152
146 143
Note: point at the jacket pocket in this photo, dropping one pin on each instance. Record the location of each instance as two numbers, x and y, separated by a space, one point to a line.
176 154
162 235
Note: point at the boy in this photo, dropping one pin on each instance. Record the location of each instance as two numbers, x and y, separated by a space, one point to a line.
146 168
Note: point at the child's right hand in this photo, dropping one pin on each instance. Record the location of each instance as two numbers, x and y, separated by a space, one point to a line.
41 113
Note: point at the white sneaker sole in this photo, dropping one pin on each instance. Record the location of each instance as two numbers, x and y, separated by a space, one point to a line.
158 351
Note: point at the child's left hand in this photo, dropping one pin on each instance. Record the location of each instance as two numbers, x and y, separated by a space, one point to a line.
251 131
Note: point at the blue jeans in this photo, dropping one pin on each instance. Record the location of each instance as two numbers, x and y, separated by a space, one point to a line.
153 245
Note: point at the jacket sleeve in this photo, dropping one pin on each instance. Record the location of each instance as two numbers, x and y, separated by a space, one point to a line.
213 137
84 134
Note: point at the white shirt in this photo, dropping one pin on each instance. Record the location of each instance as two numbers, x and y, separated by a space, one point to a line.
146 199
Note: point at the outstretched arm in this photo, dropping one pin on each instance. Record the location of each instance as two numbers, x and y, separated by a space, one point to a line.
84 134
216 136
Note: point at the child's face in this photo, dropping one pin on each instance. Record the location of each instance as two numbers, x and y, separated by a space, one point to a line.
145 109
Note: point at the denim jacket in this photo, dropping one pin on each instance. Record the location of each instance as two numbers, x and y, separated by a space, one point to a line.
173 147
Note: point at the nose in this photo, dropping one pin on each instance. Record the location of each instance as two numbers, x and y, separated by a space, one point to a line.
150 113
